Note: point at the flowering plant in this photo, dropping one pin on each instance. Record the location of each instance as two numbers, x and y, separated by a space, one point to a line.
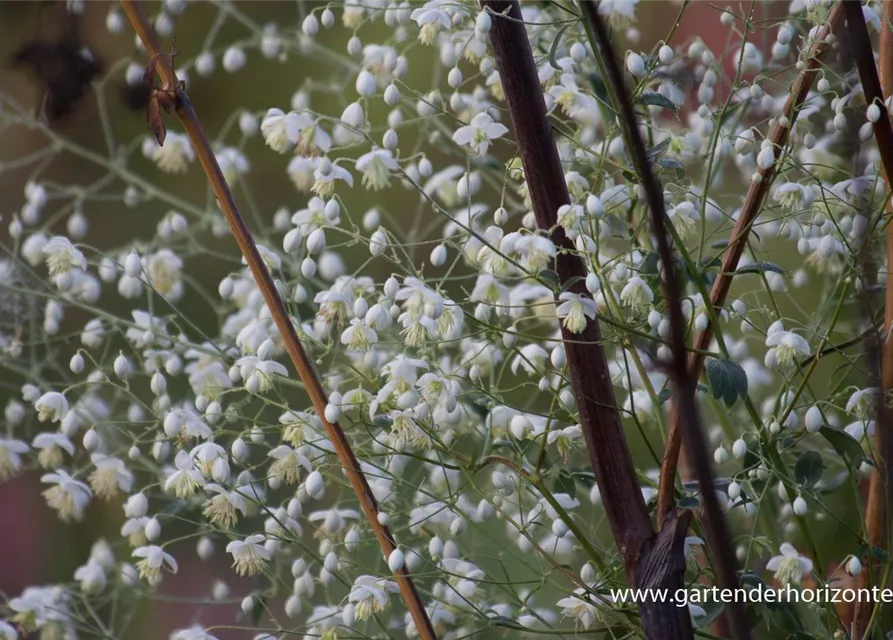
466 416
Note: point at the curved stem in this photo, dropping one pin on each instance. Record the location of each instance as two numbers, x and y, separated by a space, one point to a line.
738 241
302 364
876 512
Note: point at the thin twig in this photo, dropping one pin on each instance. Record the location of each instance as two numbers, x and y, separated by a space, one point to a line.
302 364
739 236
715 524
648 560
882 476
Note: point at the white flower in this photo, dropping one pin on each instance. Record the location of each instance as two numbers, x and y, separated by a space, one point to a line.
280 129
223 507
787 345
371 595
233 164
358 336
110 476
288 463
92 577
431 19
193 633
574 309
376 167
478 134
154 559
326 174
312 139
10 456
51 406
8 632
263 371
578 607
69 497
42 608
164 273
186 479
175 155
332 521
790 566
249 555
863 402
301 171
531 359
636 295
62 256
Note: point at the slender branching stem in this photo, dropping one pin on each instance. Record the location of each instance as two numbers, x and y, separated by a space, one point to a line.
875 88
301 362
717 529
753 203
586 360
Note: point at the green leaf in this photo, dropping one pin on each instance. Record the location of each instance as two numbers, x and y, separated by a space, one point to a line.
658 149
808 469
479 403
727 379
586 478
759 267
549 278
652 99
571 282
257 611
504 621
564 483
553 50
670 163
599 88
844 444
689 503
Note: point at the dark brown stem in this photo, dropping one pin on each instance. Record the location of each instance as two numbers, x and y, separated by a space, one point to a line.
645 557
302 364
715 525
882 476
737 242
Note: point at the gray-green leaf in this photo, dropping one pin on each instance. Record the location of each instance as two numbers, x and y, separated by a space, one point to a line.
652 99
808 470
727 379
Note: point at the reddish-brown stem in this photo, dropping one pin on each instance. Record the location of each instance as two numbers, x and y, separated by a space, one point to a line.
875 89
649 561
302 364
737 242
715 524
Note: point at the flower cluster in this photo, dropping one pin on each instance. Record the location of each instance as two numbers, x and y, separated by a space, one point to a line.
146 380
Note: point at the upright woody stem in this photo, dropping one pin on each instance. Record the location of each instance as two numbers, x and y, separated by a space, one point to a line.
302 364
649 560
753 204
877 511
715 524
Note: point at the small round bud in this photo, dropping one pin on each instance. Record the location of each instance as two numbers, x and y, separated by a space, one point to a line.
635 64
314 484
396 561
76 364
365 84
439 255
